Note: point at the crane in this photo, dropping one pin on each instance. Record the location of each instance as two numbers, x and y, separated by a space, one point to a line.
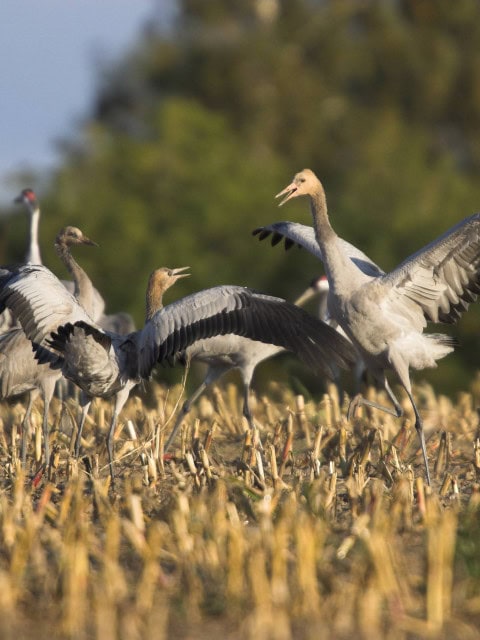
104 364
384 315
221 354
92 301
19 370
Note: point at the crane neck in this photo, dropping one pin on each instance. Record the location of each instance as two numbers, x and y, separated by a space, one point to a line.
84 292
33 255
153 298
341 272
324 232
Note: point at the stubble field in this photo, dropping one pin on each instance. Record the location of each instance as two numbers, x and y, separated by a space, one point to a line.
313 528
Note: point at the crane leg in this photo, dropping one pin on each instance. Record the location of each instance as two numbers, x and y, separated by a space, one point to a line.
85 404
421 435
26 427
358 401
187 405
111 432
120 399
246 406
47 393
46 439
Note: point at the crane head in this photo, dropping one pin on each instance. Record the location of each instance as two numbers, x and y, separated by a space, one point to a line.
164 277
70 236
318 286
27 197
304 183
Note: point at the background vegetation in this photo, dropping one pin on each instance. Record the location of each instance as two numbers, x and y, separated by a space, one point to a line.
195 130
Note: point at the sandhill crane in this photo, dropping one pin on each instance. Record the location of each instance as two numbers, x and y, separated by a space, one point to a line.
105 364
384 315
92 300
19 370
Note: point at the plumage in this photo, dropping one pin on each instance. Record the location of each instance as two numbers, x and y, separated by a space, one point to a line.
385 315
106 364
222 353
303 236
20 372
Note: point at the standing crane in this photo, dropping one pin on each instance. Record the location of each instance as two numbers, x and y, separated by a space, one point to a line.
93 301
384 315
104 364
19 370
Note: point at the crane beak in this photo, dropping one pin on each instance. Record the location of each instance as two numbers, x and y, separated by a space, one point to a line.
18 199
307 295
91 243
289 192
178 272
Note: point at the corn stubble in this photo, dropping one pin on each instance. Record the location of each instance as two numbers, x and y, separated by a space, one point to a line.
310 527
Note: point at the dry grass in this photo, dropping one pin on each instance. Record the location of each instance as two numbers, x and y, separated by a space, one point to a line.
313 528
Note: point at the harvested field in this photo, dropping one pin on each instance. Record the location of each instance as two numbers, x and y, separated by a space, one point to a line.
324 530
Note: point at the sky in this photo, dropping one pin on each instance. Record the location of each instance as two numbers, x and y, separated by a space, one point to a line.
48 53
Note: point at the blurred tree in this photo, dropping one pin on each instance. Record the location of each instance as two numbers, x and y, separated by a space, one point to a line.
193 132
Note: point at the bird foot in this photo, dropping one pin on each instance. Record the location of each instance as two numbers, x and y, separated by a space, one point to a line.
355 403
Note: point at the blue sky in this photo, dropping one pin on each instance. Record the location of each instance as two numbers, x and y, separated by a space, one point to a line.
48 52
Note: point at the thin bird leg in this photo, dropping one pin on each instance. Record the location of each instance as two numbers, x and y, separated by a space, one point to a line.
358 400
47 393
246 406
46 441
85 402
26 427
421 435
120 399
187 405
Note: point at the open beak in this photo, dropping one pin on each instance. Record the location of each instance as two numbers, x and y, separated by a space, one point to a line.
289 192
178 272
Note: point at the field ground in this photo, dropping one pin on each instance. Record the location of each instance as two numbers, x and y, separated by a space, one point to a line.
316 528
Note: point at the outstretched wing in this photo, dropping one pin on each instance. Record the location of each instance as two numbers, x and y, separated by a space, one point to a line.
241 311
38 300
443 278
301 235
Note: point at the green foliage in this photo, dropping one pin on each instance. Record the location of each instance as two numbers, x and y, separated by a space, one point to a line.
192 134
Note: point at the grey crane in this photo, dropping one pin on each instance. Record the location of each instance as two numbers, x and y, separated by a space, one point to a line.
104 364
221 354
19 370
303 237
92 300
384 315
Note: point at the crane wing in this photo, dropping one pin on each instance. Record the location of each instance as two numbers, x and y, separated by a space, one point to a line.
302 235
38 300
443 278
241 311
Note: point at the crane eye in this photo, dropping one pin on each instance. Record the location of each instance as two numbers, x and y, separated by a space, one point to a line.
170 272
